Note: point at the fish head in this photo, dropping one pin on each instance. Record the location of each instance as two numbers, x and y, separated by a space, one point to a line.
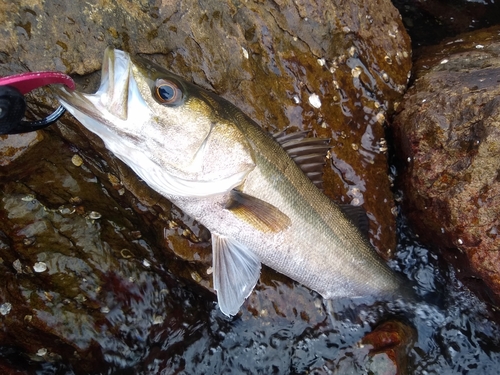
179 138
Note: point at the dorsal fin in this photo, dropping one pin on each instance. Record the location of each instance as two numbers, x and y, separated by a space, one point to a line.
282 137
308 153
358 217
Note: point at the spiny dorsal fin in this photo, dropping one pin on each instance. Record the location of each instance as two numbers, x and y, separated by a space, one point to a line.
282 137
308 153
263 216
236 271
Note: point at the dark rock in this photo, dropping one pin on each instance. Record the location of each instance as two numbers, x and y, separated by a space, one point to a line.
7 368
448 130
429 22
82 285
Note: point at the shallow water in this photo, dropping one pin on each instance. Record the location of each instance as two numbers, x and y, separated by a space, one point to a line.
455 337
454 334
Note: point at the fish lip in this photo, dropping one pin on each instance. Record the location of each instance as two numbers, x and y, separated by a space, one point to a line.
112 95
105 113
115 79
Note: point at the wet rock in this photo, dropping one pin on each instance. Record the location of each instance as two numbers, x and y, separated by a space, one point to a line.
7 368
390 344
333 70
121 265
81 288
14 146
448 130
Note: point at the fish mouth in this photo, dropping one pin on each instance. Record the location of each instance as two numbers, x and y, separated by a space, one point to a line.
115 78
109 104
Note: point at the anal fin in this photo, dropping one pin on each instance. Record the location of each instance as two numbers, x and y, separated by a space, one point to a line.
236 271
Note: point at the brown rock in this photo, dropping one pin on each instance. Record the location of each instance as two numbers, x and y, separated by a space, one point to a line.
449 135
267 58
392 339
67 203
14 146
73 263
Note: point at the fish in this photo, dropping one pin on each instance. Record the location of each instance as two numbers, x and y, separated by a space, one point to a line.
257 193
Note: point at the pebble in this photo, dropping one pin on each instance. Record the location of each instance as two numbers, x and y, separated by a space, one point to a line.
315 101
94 215
5 308
77 160
40 267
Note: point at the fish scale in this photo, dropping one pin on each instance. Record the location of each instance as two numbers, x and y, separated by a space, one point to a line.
218 166
315 218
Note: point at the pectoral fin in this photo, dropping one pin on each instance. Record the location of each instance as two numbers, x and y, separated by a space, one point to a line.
236 271
263 216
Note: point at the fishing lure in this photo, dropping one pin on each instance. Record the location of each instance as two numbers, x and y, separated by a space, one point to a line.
13 104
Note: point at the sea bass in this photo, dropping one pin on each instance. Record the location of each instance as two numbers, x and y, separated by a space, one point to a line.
218 166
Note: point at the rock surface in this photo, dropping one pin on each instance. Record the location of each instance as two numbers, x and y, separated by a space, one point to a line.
390 343
83 285
328 68
448 130
102 271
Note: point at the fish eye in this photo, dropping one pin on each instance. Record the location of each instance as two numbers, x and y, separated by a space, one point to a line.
167 92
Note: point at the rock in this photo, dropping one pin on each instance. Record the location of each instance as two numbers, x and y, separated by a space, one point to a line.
448 132
117 264
79 283
14 146
390 344
7 368
270 59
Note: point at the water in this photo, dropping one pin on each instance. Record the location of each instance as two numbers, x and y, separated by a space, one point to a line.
453 332
458 337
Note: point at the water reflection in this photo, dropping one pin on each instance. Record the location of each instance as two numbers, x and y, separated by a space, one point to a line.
144 320
453 331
